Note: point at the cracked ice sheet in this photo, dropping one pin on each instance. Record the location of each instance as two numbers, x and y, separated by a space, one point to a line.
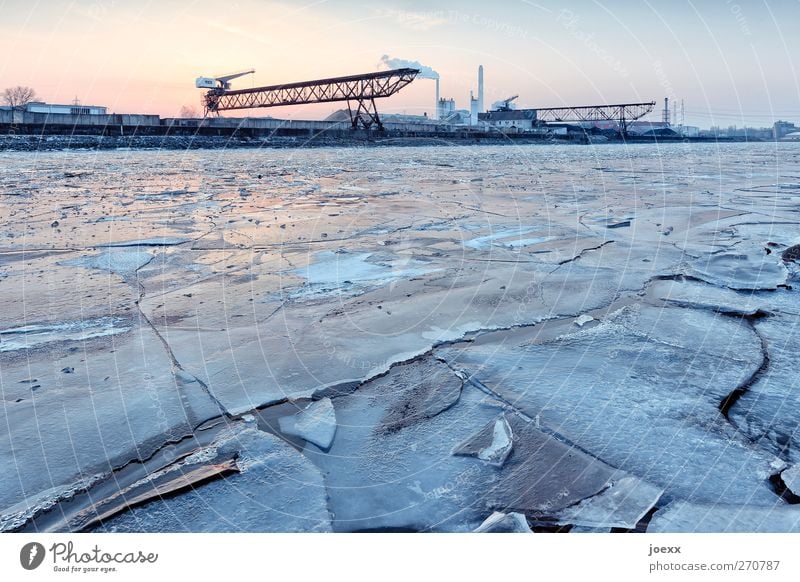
741 269
769 412
277 490
641 391
87 408
386 476
684 517
250 359
700 295
175 194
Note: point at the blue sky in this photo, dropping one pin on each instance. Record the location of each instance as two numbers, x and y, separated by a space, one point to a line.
733 63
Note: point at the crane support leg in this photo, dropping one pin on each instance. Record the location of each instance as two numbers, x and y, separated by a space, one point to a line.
365 114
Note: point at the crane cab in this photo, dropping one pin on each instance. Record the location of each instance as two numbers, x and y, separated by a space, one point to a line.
205 83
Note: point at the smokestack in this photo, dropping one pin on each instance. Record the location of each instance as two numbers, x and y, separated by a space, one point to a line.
436 108
480 88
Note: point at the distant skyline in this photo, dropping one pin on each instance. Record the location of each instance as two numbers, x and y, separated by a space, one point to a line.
732 63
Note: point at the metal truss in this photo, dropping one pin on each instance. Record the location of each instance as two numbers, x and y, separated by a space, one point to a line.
622 112
359 91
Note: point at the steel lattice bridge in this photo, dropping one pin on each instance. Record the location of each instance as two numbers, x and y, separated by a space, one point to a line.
359 91
622 112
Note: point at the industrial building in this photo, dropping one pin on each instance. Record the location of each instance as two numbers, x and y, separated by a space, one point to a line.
72 109
515 119
446 107
782 129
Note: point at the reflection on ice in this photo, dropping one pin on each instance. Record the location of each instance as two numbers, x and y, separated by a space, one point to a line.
334 273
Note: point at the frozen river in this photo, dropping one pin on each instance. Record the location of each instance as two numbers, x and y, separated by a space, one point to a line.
401 339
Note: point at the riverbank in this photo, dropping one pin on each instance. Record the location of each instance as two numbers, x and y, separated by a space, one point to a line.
27 142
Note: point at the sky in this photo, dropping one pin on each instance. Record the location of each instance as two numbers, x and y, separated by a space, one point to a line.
730 62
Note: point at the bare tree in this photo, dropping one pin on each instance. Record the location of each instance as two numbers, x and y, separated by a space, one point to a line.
188 111
18 96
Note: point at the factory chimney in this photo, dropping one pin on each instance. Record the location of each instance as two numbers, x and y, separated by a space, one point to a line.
436 107
480 89
665 113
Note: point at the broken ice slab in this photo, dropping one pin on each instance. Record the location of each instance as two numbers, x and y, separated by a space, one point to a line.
500 522
623 504
408 479
769 411
791 254
641 391
316 423
492 444
791 479
414 401
685 517
404 478
743 270
277 490
120 400
17 515
156 486
543 476
700 295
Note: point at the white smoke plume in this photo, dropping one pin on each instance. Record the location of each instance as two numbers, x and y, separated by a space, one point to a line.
392 63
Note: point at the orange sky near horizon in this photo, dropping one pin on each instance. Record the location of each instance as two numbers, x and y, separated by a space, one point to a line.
143 56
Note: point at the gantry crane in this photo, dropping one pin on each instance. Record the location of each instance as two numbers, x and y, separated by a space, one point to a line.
359 91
